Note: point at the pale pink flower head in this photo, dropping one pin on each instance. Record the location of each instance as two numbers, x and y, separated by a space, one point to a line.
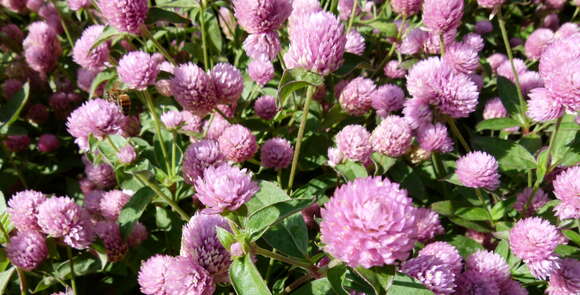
57 215
369 222
23 207
354 143
478 80
474 40
505 69
172 119
301 9
276 153
566 280
266 44
567 190
490 3
237 143
494 109
112 203
461 57
41 47
193 89
75 5
522 199
199 156
393 137
388 98
432 41
406 7
483 27
335 156
125 15
355 43
478 170
101 175
48 143
394 70
443 16
434 138
530 80
421 76
413 41
488 264
127 154
542 106
154 276
216 127
456 94
417 113
566 30
317 44
495 60
534 240
110 233
27 250
259 16
432 273
225 188
537 42
265 107
474 283
357 96
138 69
261 71
345 8
428 225
446 253
188 277
95 117
228 82
85 55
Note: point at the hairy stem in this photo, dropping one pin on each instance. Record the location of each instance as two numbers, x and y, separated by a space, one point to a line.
163 196
457 134
22 281
159 47
203 34
267 253
72 270
352 15
297 283
441 44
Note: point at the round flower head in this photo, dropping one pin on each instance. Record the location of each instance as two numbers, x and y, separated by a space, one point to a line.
199 242
490 3
483 27
357 96
316 44
199 156
542 106
488 264
417 113
265 107
566 280
163 86
534 240
261 71
92 202
17 143
38 113
127 154
48 143
193 89
530 80
566 30
95 117
259 45
172 119
478 170
110 233
456 94
461 57
354 143
511 287
23 207
537 42
75 5
228 82
27 250
406 7
434 138
154 276
60 217
567 190
138 69
505 69
494 109
276 153
41 47
432 273
388 98
355 43
369 222
85 55
394 70
431 45
392 137
85 80
237 143
10 88
446 253
474 283
259 16
495 60
420 77
413 41
125 15
137 235
522 199
225 188
191 122
215 128
442 16
474 41
335 157
112 203
428 225
187 277
101 175
551 21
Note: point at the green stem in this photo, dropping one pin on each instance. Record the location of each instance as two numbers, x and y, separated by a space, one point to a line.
173 152
575 13
161 49
72 270
163 196
22 281
352 15
267 253
203 34
439 171
441 44
297 283
157 123
279 178
457 134
309 93
487 206
112 144
392 50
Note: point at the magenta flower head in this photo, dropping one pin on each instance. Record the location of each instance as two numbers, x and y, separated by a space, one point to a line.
462 57
566 280
355 43
522 198
125 15
23 207
27 250
478 170
276 153
265 107
567 189
434 138
48 143
354 143
512 287
127 154
112 203
92 202
193 89
428 225
494 109
101 175
542 106
369 222
38 113
259 45
483 27
432 273
41 47
490 3
551 21
388 98
137 235
537 42
495 60
357 96
172 119
199 156
394 70
95 117
110 233
224 188
10 87
534 240
473 282
259 16
18 6
392 137
261 71
188 277
17 143
153 275
76 5
446 253
88 57
417 113
237 143
441 17
406 7
488 264
228 82
316 44
138 69
199 242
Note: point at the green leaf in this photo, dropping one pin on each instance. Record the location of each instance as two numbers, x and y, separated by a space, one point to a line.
225 237
384 26
405 285
178 4
295 79
496 124
444 208
473 214
572 235
352 170
110 151
335 276
379 278
157 14
5 277
499 210
317 287
133 210
509 96
268 194
259 221
107 34
215 35
11 111
384 162
568 251
246 279
351 63
100 79
465 245
474 225
289 236
510 155
566 139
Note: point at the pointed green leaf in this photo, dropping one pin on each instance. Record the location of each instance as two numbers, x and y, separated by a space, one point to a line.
246 279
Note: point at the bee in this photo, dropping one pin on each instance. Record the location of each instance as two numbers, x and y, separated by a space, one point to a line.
121 98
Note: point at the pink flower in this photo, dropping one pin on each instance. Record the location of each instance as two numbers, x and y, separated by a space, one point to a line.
17 143
511 287
228 82
112 203
10 88
567 189
193 89
392 137
488 264
542 106
442 16
474 41
495 60
446 253
276 153
478 170
406 7
199 156
355 43
41 47
265 107
394 70
483 27
172 119
530 80
490 3
125 15
61 217
76 5
95 117
335 157
432 273
187 277
127 154
566 280
413 41
88 57
48 143
551 21
505 69
462 58
27 250
23 207
154 276
85 80
345 8
428 225
522 199
215 128
138 69
266 44
137 235
354 143
537 42
417 113
434 138
474 283
261 71
357 96
369 222
101 175
494 109
259 16
388 98
110 233
237 143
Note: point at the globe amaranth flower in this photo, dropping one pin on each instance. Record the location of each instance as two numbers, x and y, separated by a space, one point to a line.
17 6
534 240
530 80
301 9
505 69
138 69
446 253
228 82
23 207
388 98
357 96
317 44
432 273
428 225
199 242
41 47
10 87
48 143
490 3
369 222
92 202
551 21
413 41
127 154
112 202
478 170
265 44
261 71
461 57
17 143
417 113
110 233
494 109
434 138
406 7
214 128
537 42
153 277
442 16
187 277
566 30
542 106
51 16
101 175
237 143
61 217
125 15
335 156
522 199
495 60
512 287
27 250
137 235
566 280
88 57
473 40
567 189
354 143
474 283
95 117
265 107
456 94
421 76
488 264
199 156
394 70
483 27
85 80
392 137
431 44
259 16
76 5
355 43
224 188
276 153
193 89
